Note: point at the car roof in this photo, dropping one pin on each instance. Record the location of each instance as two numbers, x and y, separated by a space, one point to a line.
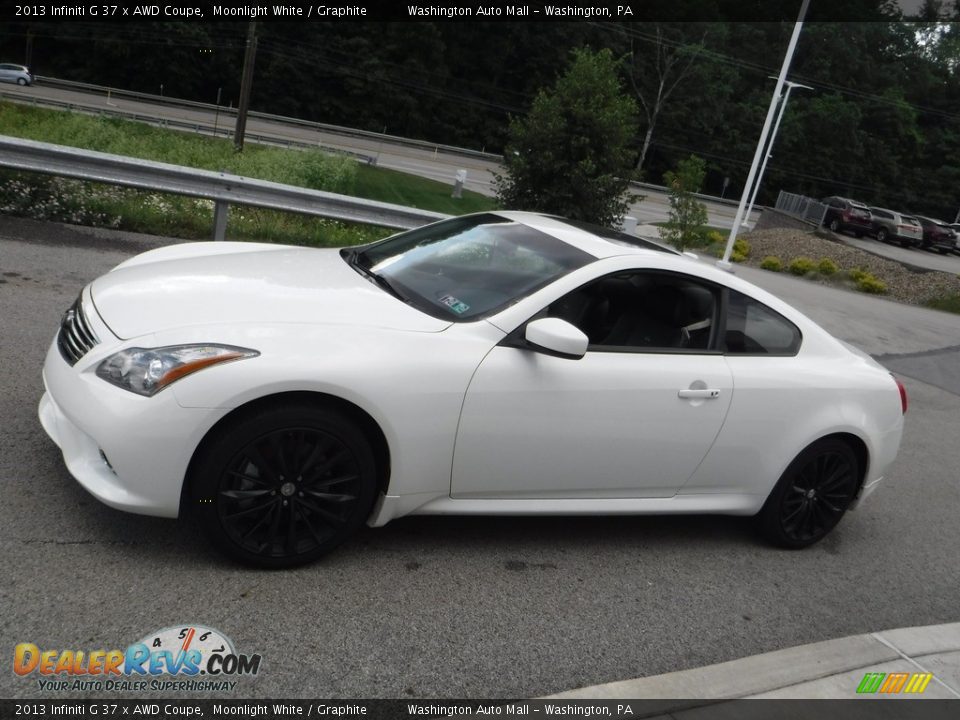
594 240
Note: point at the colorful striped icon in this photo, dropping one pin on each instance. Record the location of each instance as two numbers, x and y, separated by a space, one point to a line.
894 682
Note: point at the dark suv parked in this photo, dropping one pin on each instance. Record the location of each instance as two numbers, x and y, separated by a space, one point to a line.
844 214
937 235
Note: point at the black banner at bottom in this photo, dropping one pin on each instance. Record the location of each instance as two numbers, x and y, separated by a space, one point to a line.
855 709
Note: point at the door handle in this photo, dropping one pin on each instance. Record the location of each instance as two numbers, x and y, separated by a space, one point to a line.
706 393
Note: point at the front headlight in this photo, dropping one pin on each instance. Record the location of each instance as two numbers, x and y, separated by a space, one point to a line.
147 371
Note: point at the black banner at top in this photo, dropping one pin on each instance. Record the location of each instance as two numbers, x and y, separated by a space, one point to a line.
620 709
456 11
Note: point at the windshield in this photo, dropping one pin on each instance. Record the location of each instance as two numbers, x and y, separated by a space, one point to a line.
467 268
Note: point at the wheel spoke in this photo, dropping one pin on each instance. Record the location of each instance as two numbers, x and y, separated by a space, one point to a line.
260 507
261 463
312 530
325 514
787 524
318 451
330 497
327 482
248 477
243 494
280 454
260 522
291 546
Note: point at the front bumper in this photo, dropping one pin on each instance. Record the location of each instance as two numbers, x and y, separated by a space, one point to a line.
129 452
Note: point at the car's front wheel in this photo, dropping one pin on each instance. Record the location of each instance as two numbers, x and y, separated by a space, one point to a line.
284 485
835 225
812 495
882 235
21 82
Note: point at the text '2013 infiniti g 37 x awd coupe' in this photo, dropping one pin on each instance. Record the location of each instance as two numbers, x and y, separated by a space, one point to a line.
501 363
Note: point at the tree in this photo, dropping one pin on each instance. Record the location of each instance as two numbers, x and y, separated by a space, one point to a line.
688 216
657 73
571 154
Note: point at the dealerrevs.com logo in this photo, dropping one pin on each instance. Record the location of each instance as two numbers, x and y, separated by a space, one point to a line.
187 657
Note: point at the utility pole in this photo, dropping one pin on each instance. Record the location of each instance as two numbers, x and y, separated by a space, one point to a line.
762 144
246 83
773 139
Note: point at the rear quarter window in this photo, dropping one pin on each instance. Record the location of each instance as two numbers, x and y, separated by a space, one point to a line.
752 328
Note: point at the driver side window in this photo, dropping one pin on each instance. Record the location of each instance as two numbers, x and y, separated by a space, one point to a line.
642 311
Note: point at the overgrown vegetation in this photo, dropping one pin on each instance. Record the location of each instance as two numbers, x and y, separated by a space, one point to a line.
949 303
772 263
571 154
73 201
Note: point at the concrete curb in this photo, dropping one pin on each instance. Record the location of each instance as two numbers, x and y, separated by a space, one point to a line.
829 669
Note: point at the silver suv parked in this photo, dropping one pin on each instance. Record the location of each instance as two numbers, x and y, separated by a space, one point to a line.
891 226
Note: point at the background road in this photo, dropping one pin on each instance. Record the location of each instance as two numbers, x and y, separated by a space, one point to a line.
431 162
454 607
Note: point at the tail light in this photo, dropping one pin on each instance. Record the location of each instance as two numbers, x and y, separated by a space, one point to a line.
903 394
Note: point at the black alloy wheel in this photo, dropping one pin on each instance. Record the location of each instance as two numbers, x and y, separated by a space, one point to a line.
812 495
285 486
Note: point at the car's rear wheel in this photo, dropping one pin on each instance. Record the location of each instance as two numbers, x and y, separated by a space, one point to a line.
882 235
835 225
812 495
285 485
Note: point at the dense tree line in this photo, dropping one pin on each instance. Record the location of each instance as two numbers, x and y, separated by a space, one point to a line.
882 122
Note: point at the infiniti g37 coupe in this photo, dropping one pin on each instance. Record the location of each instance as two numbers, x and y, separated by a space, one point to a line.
502 363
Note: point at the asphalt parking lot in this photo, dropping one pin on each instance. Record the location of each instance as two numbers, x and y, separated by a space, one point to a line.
455 607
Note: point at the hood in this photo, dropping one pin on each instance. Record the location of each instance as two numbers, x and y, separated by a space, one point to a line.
217 283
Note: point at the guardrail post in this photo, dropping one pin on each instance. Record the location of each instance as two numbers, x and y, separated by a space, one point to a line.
220 208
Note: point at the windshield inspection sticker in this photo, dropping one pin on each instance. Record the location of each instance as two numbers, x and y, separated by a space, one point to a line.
456 305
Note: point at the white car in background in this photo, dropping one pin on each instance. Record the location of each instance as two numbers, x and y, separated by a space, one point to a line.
18 74
502 363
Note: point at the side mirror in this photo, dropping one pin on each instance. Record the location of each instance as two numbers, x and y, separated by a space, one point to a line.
554 336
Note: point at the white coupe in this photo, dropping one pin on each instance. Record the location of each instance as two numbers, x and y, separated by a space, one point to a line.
502 363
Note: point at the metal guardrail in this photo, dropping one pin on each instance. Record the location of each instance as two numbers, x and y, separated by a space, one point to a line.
802 207
231 112
223 188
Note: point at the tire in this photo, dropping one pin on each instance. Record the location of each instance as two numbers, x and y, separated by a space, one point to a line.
285 485
882 235
857 234
834 225
21 82
811 496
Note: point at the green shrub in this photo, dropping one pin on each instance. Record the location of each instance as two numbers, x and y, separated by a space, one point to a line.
950 303
856 274
715 237
802 265
737 257
772 263
741 247
870 284
827 267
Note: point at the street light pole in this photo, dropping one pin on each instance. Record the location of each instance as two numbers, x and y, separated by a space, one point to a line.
725 262
246 83
773 139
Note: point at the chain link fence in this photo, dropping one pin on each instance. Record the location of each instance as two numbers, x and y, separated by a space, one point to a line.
802 207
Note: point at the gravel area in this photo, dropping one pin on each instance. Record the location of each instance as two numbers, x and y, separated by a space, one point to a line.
904 284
